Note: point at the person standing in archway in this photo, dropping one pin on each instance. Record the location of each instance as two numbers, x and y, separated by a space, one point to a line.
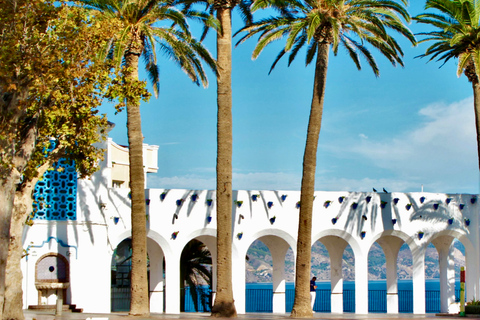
313 291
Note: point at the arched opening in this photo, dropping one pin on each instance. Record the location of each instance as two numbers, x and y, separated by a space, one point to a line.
269 266
348 272
196 278
121 274
432 280
377 276
52 278
320 268
333 262
444 257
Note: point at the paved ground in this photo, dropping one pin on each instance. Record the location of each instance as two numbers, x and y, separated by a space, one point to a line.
50 315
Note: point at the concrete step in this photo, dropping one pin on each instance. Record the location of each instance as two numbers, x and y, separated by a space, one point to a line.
65 307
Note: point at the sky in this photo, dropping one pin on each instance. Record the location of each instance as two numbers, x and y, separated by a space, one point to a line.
411 129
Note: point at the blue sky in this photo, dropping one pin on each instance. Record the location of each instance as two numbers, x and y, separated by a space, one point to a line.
410 127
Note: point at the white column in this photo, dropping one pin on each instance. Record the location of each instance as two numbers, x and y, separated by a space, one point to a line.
335 246
278 253
172 283
391 246
361 283
418 256
156 281
238 280
447 272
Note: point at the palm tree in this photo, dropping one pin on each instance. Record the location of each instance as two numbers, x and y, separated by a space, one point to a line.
141 29
195 270
457 35
354 24
224 304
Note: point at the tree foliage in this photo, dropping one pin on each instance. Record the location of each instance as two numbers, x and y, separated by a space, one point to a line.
49 88
456 35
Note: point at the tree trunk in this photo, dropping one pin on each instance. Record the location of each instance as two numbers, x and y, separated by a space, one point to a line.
13 307
224 305
476 105
139 304
6 206
301 306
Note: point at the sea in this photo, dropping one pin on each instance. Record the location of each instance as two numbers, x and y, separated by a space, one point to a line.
430 285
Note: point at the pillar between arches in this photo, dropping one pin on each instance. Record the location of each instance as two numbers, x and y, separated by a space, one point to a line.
278 250
156 281
361 283
391 246
172 284
418 255
447 272
335 247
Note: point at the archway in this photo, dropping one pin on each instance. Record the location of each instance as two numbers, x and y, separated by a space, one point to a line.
340 272
52 278
320 268
269 264
443 258
121 268
377 276
195 277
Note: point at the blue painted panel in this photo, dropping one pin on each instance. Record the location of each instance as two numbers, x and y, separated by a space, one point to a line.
55 195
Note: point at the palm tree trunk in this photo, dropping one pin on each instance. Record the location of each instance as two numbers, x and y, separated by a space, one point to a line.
476 105
301 306
139 304
224 304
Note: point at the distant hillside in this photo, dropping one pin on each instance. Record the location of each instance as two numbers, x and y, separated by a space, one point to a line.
259 263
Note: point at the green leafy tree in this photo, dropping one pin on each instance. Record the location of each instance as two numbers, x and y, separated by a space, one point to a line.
195 270
355 25
456 35
141 30
49 89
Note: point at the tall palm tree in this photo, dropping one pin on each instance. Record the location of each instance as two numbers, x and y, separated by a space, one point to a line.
457 36
224 304
141 29
354 24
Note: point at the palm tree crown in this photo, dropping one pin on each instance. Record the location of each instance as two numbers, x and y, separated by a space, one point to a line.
148 25
457 33
349 23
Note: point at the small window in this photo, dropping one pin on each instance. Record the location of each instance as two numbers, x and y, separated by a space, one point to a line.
117 184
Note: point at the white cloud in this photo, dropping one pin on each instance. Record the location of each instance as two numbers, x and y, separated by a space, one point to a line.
440 152
266 181
190 181
241 181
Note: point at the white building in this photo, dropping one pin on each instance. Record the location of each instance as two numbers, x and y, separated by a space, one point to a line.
71 246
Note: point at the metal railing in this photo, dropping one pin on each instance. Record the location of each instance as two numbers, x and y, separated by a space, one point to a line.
260 300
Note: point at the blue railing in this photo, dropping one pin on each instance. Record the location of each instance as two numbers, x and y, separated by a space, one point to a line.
260 300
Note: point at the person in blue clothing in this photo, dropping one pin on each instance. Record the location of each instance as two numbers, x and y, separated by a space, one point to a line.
313 291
